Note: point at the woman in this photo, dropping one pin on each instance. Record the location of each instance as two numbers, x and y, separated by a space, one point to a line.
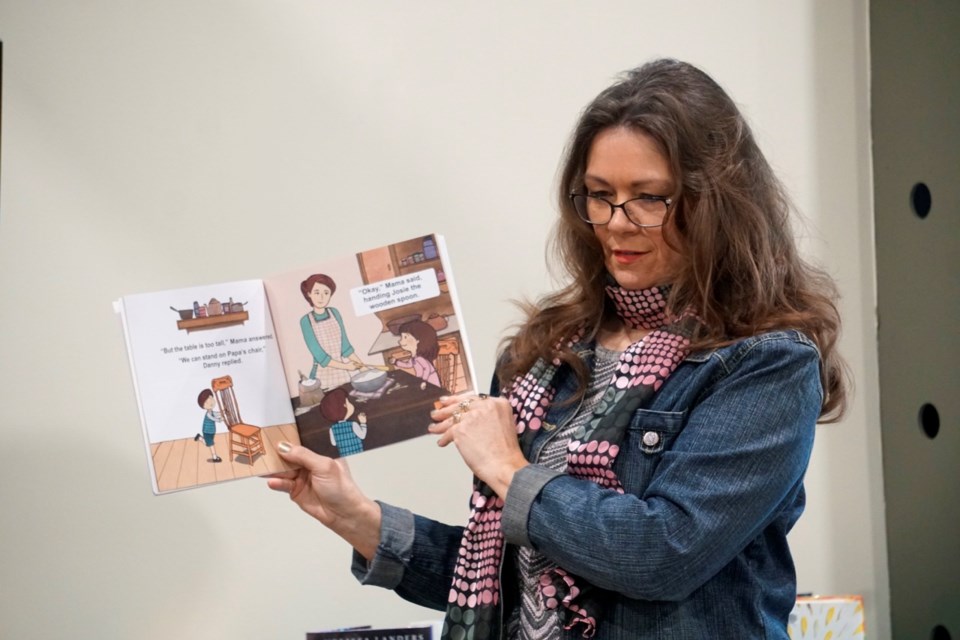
665 401
333 356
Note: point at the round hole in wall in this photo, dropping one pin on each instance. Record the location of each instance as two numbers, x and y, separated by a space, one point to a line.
921 200
940 633
930 420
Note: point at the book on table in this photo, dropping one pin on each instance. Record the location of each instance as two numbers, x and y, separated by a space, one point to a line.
413 632
344 355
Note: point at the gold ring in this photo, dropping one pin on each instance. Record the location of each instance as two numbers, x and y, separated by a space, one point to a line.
465 404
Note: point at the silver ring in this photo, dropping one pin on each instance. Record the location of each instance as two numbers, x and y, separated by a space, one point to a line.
464 404
482 396
456 417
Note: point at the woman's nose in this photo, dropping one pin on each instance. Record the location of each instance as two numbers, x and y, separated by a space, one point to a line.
620 222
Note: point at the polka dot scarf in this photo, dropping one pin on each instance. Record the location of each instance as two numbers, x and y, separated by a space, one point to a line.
473 607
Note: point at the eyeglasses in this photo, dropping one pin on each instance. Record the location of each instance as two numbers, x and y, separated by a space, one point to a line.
644 211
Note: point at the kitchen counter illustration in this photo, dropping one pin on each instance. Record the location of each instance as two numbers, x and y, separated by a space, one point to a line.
400 411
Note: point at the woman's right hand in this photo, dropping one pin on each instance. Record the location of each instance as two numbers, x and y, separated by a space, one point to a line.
324 488
348 365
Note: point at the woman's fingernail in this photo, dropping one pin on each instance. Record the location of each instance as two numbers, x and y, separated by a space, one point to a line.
285 447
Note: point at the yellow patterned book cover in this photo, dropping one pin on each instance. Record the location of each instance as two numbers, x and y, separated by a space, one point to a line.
827 618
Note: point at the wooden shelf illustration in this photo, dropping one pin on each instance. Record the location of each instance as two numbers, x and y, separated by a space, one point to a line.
223 320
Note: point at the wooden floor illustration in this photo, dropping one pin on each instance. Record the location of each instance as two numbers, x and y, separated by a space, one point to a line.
180 464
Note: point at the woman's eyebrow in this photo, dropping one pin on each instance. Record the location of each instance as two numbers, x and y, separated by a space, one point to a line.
652 182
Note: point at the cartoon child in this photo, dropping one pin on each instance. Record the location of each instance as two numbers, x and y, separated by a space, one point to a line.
210 420
346 435
420 340
334 359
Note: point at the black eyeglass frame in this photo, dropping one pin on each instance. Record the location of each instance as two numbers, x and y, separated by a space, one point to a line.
667 201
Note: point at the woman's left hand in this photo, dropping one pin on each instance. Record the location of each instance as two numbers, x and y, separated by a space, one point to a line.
485 432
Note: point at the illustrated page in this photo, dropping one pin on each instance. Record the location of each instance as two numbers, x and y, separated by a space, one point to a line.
369 341
209 381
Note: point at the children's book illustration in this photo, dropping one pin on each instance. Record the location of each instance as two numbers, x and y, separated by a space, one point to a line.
325 336
190 386
245 439
419 339
344 356
211 315
381 328
210 419
346 435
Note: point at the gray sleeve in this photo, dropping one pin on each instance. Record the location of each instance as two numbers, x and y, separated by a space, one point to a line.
524 489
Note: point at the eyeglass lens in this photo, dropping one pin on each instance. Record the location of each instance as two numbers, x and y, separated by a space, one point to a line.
647 212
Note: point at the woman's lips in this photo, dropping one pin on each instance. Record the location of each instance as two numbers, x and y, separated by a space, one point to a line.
627 257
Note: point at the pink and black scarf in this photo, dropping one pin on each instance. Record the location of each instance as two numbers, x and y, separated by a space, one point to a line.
473 603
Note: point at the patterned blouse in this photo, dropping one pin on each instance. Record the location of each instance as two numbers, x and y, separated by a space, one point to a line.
531 620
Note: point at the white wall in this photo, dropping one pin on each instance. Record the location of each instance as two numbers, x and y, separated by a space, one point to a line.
151 145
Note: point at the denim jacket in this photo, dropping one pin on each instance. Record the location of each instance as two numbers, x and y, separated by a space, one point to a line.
696 547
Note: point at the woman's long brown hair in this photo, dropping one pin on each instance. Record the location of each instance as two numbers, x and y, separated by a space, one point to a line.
742 274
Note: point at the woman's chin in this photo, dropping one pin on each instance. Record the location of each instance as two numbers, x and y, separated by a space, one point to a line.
632 281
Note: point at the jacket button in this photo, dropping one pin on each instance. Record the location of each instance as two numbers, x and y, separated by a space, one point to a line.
651 438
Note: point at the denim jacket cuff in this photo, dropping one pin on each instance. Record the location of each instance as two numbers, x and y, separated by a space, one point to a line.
524 489
395 548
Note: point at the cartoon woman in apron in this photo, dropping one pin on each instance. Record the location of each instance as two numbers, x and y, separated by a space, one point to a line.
333 356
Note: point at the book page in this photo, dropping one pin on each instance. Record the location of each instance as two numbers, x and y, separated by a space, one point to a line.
369 341
209 381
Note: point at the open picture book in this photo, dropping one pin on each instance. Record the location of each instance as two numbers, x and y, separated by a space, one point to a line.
342 356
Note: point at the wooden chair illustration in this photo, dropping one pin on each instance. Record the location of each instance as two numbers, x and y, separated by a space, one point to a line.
245 439
447 360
